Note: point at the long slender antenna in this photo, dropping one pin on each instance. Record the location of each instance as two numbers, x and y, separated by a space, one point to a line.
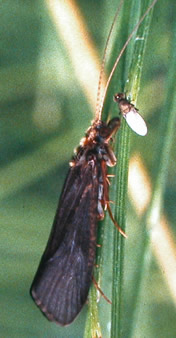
119 56
97 115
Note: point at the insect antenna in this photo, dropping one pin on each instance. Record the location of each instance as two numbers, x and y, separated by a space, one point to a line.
100 106
98 112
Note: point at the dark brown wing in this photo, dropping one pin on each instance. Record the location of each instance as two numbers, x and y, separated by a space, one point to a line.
62 282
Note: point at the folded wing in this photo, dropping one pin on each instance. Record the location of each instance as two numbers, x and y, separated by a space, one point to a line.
62 282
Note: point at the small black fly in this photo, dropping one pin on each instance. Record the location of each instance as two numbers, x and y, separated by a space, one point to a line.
62 281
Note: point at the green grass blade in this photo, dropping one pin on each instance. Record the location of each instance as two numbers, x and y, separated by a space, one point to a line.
132 87
119 191
92 328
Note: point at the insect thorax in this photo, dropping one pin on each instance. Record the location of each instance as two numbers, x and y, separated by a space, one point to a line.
95 144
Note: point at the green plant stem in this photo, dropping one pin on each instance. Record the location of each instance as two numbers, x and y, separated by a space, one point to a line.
118 245
134 66
92 328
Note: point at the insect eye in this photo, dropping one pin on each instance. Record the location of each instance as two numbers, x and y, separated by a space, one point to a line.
119 96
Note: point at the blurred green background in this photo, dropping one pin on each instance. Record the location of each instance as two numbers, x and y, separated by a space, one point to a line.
44 113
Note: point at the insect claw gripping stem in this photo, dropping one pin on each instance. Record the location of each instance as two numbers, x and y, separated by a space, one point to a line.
98 245
115 223
101 292
108 181
96 266
112 202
